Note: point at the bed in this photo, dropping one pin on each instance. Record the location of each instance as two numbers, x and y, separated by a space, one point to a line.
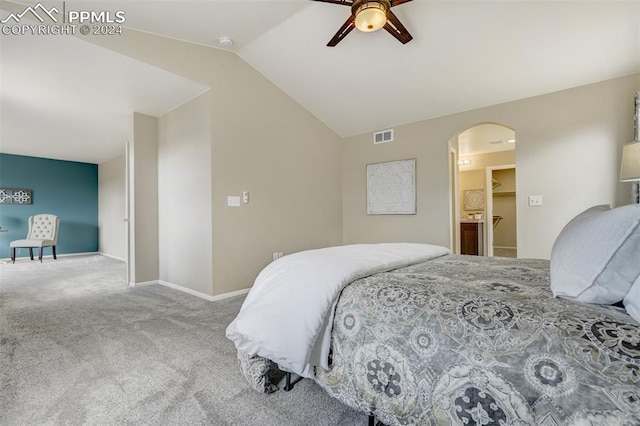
449 339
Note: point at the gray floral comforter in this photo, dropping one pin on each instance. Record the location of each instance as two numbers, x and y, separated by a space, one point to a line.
475 340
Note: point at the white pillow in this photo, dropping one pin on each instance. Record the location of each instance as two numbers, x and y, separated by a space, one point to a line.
632 301
596 257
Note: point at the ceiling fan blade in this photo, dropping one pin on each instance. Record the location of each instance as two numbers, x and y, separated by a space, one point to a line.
343 31
342 2
396 29
397 2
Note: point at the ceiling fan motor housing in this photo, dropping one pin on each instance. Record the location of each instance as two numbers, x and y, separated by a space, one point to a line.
370 15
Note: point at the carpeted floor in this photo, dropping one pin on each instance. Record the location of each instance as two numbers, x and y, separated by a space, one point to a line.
77 346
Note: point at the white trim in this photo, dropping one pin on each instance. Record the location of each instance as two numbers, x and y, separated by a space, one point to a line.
130 205
489 205
231 294
192 292
185 290
87 253
50 256
143 283
202 295
112 257
454 196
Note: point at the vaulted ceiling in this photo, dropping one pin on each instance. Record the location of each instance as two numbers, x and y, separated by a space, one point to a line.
464 55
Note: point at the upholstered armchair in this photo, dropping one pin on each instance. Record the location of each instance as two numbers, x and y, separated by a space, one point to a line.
43 232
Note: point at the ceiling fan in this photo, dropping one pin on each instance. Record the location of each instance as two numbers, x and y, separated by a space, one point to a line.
371 15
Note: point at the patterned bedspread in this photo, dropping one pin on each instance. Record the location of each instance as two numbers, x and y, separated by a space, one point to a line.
475 340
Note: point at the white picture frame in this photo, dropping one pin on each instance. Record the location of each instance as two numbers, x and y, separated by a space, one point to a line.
391 187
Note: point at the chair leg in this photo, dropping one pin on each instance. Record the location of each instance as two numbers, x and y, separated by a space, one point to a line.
13 255
40 254
54 253
31 253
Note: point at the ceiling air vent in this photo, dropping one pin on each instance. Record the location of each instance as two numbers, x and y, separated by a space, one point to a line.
383 136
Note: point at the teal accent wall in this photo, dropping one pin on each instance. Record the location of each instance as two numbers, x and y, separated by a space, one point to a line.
67 189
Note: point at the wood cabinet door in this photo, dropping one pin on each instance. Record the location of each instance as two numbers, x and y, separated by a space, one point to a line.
469 238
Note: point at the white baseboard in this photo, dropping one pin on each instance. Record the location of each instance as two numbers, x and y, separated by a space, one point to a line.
230 294
35 256
88 253
148 283
192 292
111 257
202 295
143 283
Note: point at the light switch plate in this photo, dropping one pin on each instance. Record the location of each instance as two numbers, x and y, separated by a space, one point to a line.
233 201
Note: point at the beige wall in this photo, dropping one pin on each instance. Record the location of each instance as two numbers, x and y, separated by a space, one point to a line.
263 142
184 196
144 199
568 151
289 161
112 231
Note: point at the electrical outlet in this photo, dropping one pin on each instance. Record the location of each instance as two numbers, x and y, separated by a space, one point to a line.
233 201
535 200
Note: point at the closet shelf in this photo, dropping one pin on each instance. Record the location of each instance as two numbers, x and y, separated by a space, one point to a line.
504 192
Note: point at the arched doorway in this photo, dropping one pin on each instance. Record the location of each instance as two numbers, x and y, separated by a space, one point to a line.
483 191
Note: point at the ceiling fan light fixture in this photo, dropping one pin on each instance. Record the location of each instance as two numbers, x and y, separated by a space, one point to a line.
371 15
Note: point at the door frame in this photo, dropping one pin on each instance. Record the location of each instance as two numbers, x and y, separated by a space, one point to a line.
454 202
489 204
129 246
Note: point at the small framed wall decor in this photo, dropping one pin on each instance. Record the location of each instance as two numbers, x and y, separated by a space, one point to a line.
15 196
473 199
391 187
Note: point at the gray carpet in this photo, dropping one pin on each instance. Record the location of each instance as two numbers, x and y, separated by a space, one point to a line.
77 346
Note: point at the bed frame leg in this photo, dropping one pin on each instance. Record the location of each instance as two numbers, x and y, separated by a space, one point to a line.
289 384
372 420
